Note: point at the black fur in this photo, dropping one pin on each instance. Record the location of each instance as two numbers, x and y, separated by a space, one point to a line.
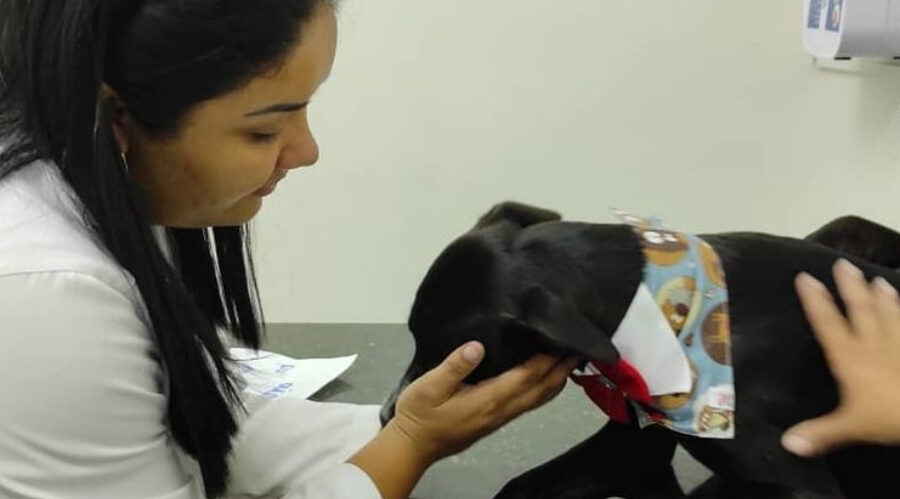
524 282
857 236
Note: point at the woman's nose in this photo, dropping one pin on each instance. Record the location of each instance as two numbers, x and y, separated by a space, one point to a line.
301 150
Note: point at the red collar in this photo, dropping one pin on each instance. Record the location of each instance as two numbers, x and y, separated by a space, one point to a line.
614 387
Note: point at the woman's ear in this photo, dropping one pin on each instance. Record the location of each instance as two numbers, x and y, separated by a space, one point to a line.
118 115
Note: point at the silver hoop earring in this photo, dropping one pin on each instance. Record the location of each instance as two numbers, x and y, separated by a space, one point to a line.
127 168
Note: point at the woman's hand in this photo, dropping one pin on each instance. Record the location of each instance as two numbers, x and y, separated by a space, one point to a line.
437 415
441 416
863 351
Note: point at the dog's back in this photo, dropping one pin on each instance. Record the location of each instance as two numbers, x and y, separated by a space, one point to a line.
781 376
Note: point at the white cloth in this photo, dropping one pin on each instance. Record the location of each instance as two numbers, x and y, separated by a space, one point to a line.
646 340
82 398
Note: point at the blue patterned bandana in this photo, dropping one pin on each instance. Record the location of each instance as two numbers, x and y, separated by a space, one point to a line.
691 387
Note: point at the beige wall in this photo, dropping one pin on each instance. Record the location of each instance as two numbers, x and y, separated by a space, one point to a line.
704 112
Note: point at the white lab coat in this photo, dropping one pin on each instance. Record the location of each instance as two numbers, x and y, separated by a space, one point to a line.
82 394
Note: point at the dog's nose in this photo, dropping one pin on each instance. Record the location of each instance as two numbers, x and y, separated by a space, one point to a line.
387 412
389 407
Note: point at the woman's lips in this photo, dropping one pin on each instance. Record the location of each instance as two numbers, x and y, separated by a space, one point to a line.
270 186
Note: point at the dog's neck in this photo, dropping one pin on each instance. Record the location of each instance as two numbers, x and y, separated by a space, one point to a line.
617 273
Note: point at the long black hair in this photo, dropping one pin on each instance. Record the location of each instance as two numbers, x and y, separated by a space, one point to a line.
161 58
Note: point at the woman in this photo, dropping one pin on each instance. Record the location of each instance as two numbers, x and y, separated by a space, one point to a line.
138 137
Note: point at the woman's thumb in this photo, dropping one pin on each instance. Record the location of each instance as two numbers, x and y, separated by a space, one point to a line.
453 370
820 435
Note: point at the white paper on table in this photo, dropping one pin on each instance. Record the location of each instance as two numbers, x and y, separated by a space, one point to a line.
274 375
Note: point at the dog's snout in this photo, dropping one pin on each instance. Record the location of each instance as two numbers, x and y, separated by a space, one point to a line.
389 408
387 411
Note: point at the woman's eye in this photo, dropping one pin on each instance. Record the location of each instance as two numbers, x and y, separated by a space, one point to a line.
263 137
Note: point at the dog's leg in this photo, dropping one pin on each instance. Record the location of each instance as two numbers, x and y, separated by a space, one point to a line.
759 467
618 460
720 488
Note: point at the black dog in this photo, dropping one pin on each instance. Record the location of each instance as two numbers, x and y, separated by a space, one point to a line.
523 282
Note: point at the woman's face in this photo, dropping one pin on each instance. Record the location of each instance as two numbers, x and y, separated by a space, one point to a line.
233 150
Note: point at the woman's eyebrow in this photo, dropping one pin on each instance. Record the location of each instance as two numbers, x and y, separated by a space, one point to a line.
283 107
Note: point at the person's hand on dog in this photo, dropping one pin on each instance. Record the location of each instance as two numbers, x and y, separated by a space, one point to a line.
863 351
438 415
442 416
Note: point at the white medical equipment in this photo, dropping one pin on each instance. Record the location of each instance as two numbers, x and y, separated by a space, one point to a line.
842 29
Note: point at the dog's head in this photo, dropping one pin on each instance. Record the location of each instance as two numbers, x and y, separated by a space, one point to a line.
510 284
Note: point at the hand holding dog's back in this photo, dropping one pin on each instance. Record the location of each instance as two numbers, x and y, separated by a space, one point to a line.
863 351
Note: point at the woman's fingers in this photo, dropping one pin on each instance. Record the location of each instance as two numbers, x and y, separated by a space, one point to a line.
541 393
818 436
513 382
446 379
829 326
887 306
858 297
524 387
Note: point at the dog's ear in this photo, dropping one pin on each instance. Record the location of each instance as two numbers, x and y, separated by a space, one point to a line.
861 238
564 327
522 215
